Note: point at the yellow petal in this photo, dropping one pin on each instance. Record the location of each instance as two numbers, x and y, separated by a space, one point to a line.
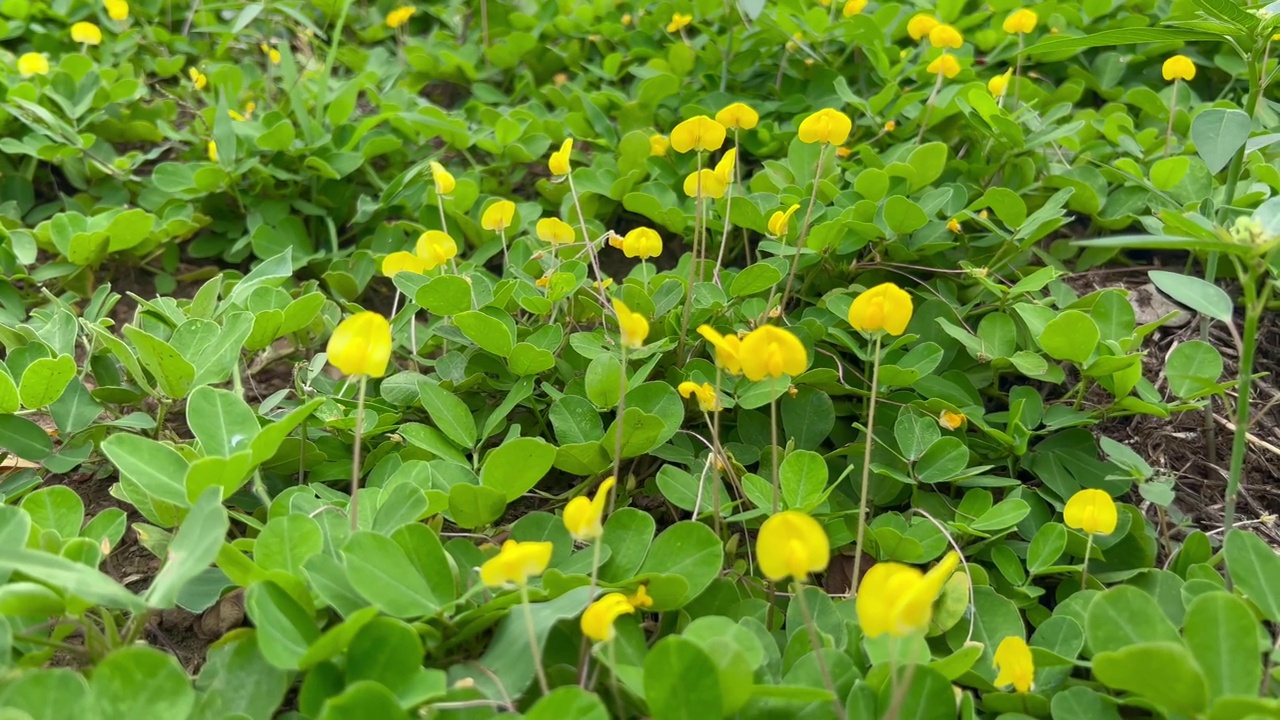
361 345
1092 511
632 326
738 115
770 351
559 163
435 247
945 36
825 126
1021 21
920 25
727 349
1015 665
444 180
705 183
597 620
697 133
791 544
878 595
498 216
555 231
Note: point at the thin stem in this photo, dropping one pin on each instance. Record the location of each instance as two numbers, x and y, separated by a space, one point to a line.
322 101
817 646
586 643
728 207
355 453
804 233
928 108
533 639
506 260
866 466
622 406
1254 306
693 262
1173 111
1084 566
590 245
1210 427
1017 72
773 440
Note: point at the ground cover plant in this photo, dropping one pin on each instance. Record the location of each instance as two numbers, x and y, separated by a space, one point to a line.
674 360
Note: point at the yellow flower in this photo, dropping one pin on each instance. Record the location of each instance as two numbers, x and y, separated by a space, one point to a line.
854 7
1092 511
597 620
770 351
445 183
843 152
583 518
1013 661
1021 21
361 345
890 126
33 64
724 168
117 10
560 79
212 151
780 220
516 563
898 599
697 133
678 21
555 231
920 25
953 225
728 349
951 420
543 281
999 84
945 36
400 16
236 116
825 126
435 247
792 545
559 162
197 78
945 65
632 325
705 183
272 54
641 600
659 145
86 33
249 107
402 261
707 400
626 19
498 216
1179 67
884 307
642 242
738 116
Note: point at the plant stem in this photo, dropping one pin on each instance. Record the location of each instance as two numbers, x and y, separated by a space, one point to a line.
804 233
622 407
533 639
866 466
773 440
1084 566
355 453
817 646
322 101
1254 305
728 207
1173 111
591 248
928 108
1017 72
693 263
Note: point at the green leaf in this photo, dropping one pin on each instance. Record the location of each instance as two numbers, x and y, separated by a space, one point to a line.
945 459
508 658
24 438
808 417
381 572
1124 616
57 508
995 618
1071 336
1255 570
756 278
155 467
473 506
173 374
1218 134
529 359
689 549
363 699
8 393
514 467
928 161
1046 547
51 694
386 651
928 696
628 532
488 332
903 216
285 628
73 578
449 413
269 273
604 381
192 550
221 420
445 295
1164 673
1122 36
1193 368
287 542
914 434
681 682
45 380
141 683
236 678
1199 295
1222 634
803 476
568 702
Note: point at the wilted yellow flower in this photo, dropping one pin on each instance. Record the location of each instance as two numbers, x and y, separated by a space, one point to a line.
1092 511
999 84
117 10
1179 67
854 7
641 242
780 220
945 65
659 145
597 620
678 21
543 281
945 36
584 517
400 16
272 54
705 183
197 78
402 261
898 599
559 162
920 25
884 307
706 395
728 349
738 116
953 225
435 247
1021 21
498 216
1014 664
32 64
632 325
443 179
825 126
516 563
951 420
555 231
640 600
843 152
697 133
361 345
212 151
792 545
770 351
86 33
